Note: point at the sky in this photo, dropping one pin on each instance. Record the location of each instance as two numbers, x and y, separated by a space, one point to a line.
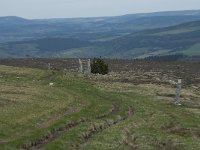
40 9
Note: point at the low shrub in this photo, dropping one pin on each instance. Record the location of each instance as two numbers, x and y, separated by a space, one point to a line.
99 66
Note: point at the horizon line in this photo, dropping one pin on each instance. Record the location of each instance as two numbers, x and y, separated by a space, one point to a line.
85 17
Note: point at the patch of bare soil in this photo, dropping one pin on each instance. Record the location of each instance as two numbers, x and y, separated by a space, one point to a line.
56 133
100 127
113 110
57 116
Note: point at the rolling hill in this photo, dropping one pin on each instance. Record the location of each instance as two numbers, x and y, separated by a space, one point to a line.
100 28
45 47
128 36
184 39
180 39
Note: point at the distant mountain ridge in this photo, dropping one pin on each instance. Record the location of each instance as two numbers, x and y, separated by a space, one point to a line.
179 39
97 28
128 36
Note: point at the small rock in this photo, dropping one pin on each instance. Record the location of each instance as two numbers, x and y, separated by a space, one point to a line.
195 87
157 79
51 84
172 82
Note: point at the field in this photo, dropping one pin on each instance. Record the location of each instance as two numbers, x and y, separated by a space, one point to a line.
130 108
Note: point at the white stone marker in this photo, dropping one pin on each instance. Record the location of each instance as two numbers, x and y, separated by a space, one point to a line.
80 66
89 67
49 66
178 92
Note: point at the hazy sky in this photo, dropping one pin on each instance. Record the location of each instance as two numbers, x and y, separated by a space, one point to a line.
89 8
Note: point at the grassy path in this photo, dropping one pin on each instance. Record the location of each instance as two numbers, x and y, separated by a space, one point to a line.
76 113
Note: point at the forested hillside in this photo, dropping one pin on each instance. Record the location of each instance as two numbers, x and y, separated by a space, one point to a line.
128 36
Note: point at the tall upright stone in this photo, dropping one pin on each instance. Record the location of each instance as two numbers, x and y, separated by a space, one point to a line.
49 66
89 67
178 92
80 66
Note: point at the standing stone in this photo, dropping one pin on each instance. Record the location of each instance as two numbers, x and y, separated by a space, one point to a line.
49 66
89 67
178 93
80 66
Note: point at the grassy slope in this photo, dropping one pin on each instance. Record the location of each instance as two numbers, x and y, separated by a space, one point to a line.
31 110
15 28
153 42
194 50
161 41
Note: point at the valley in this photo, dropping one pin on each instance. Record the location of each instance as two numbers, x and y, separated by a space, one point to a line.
128 37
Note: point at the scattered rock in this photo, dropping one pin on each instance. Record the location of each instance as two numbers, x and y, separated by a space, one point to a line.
51 84
194 87
172 82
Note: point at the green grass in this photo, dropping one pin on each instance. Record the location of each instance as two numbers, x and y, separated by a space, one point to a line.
192 51
30 109
177 31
